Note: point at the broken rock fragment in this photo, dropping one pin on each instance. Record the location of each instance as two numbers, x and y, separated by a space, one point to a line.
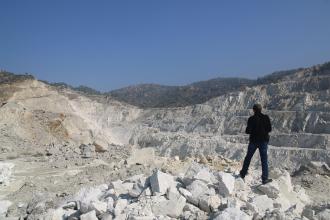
226 183
272 189
259 204
89 216
120 206
172 208
160 182
197 189
232 214
198 172
99 207
209 203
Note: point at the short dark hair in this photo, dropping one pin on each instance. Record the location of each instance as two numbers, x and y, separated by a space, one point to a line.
257 107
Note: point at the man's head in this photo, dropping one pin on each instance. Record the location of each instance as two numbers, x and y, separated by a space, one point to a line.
257 108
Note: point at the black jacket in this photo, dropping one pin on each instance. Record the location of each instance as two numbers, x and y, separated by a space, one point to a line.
258 127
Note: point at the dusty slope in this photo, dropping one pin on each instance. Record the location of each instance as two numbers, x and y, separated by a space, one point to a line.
38 113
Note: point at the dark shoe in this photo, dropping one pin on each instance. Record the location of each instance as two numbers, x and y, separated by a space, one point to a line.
242 176
267 181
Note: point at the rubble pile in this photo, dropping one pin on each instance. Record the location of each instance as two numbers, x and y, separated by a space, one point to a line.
199 193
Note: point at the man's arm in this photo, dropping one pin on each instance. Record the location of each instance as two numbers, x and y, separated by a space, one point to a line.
248 129
268 124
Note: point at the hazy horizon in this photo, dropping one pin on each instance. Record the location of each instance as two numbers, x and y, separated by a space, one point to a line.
108 45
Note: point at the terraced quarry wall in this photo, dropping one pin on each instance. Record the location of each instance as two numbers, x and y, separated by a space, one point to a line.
298 108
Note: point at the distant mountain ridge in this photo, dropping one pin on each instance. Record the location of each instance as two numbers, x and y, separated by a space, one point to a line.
158 96
153 95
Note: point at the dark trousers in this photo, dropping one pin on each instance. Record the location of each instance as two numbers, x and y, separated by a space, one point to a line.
263 155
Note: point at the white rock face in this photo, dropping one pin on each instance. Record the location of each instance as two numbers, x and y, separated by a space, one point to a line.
172 193
197 189
86 196
120 187
297 104
191 172
284 182
5 172
232 214
160 182
99 207
260 204
323 215
209 203
110 204
239 184
205 175
272 189
172 208
233 202
4 205
186 193
226 183
89 216
120 206
107 216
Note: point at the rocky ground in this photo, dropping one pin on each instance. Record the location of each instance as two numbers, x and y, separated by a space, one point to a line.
66 183
71 155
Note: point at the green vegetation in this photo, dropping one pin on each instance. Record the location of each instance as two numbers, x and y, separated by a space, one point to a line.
7 77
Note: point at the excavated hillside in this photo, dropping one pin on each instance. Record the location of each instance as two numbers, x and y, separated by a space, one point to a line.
53 141
298 106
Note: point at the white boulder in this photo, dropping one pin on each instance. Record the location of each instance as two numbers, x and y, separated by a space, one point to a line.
197 172
136 190
226 184
323 215
209 203
197 188
121 204
160 182
260 204
233 202
186 193
106 216
110 204
86 196
5 172
239 184
172 208
121 187
89 216
284 183
99 207
205 175
272 189
4 205
232 214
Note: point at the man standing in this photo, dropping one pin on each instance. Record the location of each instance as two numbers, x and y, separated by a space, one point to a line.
258 127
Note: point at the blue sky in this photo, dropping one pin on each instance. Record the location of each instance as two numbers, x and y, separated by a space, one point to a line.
112 44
